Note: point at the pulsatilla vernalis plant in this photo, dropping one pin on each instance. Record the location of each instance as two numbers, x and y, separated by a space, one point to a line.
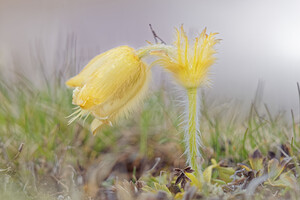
114 82
189 64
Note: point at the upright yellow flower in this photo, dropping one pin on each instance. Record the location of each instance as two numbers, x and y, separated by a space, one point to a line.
110 86
189 64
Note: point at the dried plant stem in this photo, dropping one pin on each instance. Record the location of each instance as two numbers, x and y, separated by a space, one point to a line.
192 134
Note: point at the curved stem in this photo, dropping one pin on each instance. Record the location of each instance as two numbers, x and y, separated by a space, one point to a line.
145 51
193 140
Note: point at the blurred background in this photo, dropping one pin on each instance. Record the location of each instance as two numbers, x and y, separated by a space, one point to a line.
260 39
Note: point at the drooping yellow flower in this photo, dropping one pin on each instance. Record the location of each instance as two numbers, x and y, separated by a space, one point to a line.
189 63
110 86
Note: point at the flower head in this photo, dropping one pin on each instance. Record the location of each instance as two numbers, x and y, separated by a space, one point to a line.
110 86
189 63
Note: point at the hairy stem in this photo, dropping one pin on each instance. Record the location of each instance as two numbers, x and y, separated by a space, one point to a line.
146 51
192 136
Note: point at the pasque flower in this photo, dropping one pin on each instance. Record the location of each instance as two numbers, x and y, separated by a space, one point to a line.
114 82
110 86
189 64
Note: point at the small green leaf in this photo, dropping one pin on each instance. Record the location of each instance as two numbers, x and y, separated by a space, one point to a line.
225 173
274 169
256 161
218 181
208 171
286 179
162 188
195 181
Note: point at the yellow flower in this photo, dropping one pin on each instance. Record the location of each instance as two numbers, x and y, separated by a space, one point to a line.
188 64
110 86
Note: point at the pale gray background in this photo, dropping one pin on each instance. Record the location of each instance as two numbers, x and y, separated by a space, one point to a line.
260 38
